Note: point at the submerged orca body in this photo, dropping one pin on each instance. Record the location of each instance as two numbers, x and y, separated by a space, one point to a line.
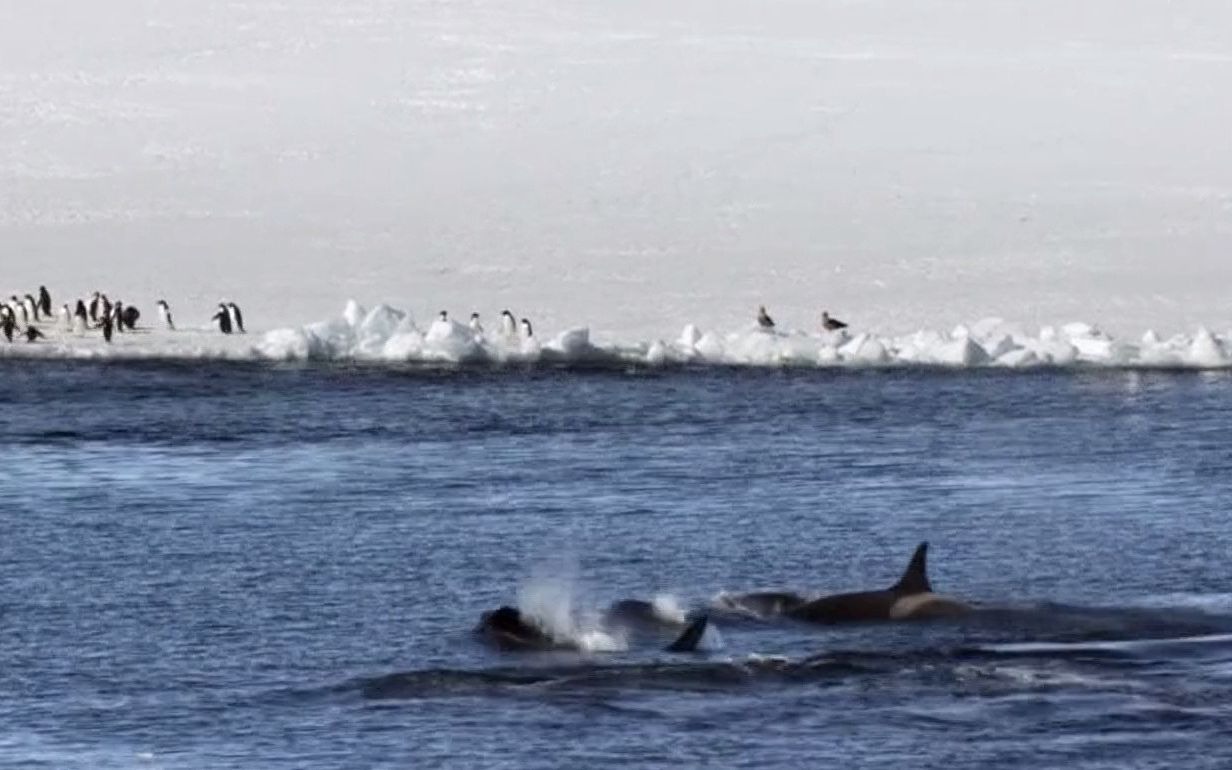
911 598
759 604
506 628
643 617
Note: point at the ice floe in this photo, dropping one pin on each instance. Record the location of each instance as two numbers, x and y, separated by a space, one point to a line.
388 334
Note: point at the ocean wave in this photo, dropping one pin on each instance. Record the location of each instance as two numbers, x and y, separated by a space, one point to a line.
388 335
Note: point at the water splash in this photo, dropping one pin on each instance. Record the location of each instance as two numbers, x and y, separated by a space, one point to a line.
549 597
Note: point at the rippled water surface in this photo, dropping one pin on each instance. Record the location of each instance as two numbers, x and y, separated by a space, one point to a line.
256 566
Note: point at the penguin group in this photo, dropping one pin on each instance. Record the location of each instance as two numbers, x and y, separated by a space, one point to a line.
228 317
28 316
510 327
25 311
828 322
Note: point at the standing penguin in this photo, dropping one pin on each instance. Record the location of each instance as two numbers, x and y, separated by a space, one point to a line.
117 315
8 323
526 328
509 327
80 317
18 305
107 328
237 318
45 300
32 307
164 313
476 327
764 320
223 318
67 314
105 310
94 308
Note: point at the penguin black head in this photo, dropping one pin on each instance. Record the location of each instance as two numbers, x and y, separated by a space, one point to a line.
474 316
444 316
526 325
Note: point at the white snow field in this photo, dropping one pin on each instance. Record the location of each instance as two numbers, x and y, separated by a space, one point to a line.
632 168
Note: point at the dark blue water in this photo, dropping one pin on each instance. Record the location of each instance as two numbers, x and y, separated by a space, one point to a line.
254 566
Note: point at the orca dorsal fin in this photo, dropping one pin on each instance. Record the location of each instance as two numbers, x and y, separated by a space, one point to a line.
691 637
915 579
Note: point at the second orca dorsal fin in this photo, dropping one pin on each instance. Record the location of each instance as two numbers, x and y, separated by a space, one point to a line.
915 579
691 636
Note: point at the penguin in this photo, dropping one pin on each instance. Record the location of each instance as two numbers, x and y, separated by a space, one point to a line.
444 316
223 319
94 308
80 316
18 305
107 328
526 329
32 334
8 323
117 315
45 300
105 310
129 317
831 324
763 319
67 314
509 327
32 307
164 313
476 327
237 318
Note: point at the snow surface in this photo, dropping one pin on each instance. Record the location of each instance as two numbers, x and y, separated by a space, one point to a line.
633 167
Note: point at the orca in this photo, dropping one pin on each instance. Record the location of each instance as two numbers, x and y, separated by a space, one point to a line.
506 628
911 598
